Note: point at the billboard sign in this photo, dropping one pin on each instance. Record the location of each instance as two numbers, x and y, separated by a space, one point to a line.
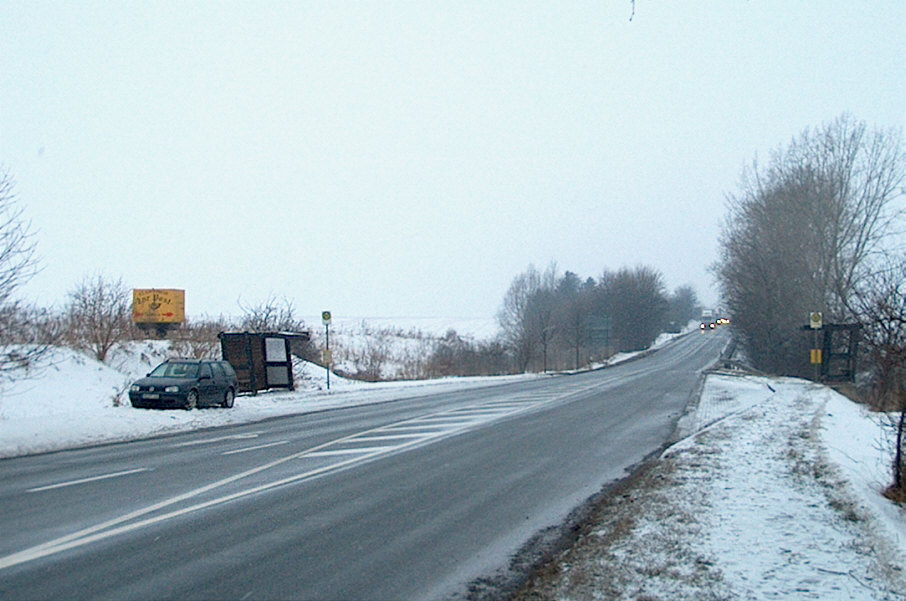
155 305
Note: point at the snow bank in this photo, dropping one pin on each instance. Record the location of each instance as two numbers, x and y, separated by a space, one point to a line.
861 444
775 496
68 400
62 382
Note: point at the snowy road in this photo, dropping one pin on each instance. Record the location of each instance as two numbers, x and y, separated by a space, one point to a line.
411 499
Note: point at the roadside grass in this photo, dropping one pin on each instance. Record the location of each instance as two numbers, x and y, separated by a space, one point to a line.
638 548
807 465
650 540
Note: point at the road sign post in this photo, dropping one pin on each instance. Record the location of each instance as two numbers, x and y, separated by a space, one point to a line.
816 322
326 318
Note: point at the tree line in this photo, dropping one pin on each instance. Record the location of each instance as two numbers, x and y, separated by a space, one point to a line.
549 321
820 228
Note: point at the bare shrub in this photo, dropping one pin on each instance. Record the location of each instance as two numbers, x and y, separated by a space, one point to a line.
367 362
199 339
278 315
98 315
27 332
880 304
454 355
413 360
272 315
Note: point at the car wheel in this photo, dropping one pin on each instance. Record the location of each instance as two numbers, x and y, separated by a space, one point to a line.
191 400
228 398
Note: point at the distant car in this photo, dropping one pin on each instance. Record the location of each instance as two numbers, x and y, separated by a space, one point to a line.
186 384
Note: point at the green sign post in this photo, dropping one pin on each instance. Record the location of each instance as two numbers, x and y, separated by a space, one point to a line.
327 357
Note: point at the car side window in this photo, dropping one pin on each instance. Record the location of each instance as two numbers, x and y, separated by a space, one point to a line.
228 369
206 371
218 370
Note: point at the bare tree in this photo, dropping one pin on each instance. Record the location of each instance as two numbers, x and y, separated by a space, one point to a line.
98 314
516 330
880 303
684 307
851 176
636 301
17 247
574 300
541 315
527 315
26 332
801 232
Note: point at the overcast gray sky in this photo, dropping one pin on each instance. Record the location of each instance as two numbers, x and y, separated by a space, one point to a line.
410 158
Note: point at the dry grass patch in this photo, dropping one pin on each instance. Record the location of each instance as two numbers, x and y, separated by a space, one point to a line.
639 548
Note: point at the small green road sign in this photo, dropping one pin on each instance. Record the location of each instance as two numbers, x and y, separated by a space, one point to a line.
325 317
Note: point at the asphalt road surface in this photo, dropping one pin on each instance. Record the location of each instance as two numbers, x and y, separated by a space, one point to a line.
411 499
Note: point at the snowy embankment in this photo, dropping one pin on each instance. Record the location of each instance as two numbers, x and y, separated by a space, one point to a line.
69 400
774 494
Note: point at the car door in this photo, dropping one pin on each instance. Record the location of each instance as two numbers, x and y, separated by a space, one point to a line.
220 380
207 385
230 375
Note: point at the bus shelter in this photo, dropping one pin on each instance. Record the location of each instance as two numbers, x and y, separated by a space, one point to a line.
262 360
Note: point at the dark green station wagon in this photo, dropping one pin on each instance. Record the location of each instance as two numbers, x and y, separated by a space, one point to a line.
186 384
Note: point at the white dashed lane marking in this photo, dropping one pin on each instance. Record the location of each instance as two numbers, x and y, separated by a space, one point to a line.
193 443
256 447
87 480
355 451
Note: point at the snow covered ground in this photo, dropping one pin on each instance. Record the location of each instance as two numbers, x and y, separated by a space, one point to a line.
481 328
70 400
394 347
774 492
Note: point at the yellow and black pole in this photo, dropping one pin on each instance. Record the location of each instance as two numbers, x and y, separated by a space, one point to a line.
816 322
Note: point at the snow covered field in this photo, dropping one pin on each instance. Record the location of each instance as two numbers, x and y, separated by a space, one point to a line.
394 347
774 492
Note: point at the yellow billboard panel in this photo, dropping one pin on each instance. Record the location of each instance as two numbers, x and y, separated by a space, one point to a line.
155 305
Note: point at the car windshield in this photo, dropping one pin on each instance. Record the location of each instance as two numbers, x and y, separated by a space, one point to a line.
175 370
